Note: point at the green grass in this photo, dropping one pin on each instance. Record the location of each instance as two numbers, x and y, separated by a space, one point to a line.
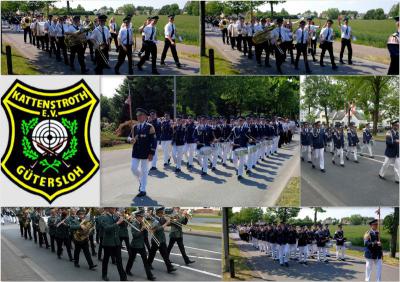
367 32
290 196
20 64
355 234
205 228
360 254
202 215
186 26
110 140
222 66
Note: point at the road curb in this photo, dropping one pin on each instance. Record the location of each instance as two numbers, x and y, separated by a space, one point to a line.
202 234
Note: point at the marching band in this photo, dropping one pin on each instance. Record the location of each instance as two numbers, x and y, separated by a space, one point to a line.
77 229
69 34
244 141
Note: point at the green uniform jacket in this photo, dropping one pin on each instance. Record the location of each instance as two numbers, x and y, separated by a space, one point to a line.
110 231
176 231
123 230
71 221
99 227
51 223
159 229
62 231
137 237
35 220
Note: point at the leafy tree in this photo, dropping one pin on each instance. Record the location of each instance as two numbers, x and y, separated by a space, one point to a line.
375 14
356 219
192 8
395 10
391 224
284 214
316 211
127 9
170 9
332 13
8 7
215 8
272 3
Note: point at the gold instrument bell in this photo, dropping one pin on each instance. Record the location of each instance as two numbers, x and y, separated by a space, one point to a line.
263 35
79 36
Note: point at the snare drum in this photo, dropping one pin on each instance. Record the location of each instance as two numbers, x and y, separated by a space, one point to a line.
205 151
240 152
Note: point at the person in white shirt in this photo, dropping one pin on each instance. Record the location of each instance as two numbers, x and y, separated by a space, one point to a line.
113 27
62 27
125 43
346 34
86 24
150 46
312 33
170 41
52 36
46 32
100 37
233 32
241 30
251 29
326 43
76 48
301 46
280 36
141 28
265 46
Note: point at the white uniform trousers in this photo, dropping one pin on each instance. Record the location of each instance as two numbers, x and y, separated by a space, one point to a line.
283 251
190 148
369 149
322 253
340 252
319 154
292 250
238 162
155 157
214 156
274 250
166 147
396 167
303 253
369 263
306 152
352 150
177 155
338 153
226 148
141 174
203 160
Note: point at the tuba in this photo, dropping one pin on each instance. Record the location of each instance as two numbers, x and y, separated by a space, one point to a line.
79 36
263 35
87 226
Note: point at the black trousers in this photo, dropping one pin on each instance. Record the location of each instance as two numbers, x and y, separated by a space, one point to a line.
52 241
259 48
167 45
67 243
27 232
245 41
302 50
77 49
126 240
43 239
181 247
61 48
114 37
28 32
313 48
239 40
394 65
40 42
280 55
21 229
233 42
289 48
84 246
52 48
100 249
146 240
100 62
250 46
114 251
346 43
35 233
224 33
149 48
132 256
163 252
33 39
121 58
91 242
327 46
46 41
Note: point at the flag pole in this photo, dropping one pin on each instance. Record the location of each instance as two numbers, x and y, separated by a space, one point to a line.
130 101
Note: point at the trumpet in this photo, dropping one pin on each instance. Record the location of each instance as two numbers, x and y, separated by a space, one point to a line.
177 223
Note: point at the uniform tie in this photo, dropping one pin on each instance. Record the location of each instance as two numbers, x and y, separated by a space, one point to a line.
347 30
280 35
327 35
302 36
127 36
152 33
62 29
173 31
104 36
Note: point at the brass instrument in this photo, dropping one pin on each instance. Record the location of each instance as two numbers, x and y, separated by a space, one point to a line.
87 226
149 228
78 37
263 35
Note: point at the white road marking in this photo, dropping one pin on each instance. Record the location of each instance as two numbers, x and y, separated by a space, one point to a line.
214 252
175 254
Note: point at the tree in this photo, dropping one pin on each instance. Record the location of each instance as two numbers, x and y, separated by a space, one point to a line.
391 224
316 211
284 214
356 219
8 7
170 9
127 9
192 8
332 13
375 14
395 10
272 3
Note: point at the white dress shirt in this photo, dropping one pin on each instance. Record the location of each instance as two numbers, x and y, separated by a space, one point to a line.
326 34
346 31
97 34
150 33
312 30
170 30
123 36
281 32
113 27
302 33
60 27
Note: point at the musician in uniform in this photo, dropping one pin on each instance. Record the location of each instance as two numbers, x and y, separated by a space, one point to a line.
100 38
62 27
312 33
166 138
26 26
240 140
367 141
51 223
111 243
326 43
346 34
35 224
178 143
39 32
62 235
20 216
123 230
190 146
305 138
320 236
80 228
263 46
318 144
52 36
373 251
340 240
87 24
150 46
157 126
353 141
233 33
47 25
282 243
144 147
301 46
302 241
392 152
158 225
137 246
42 231
338 143
393 48
176 234
113 27
224 30
77 45
204 137
280 37
125 43
170 41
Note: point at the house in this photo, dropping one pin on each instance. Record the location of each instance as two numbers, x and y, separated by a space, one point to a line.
342 117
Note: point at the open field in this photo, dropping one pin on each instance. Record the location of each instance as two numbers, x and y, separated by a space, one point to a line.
355 234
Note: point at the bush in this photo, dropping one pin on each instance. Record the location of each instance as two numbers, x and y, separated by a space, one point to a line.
124 129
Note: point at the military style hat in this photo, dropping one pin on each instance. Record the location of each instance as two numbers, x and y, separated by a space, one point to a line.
329 21
160 209
154 18
395 121
372 222
126 19
309 18
302 22
141 111
171 16
76 18
139 213
152 111
396 18
81 211
102 17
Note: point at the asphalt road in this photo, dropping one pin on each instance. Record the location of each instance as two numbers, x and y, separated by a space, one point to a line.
47 65
219 188
23 260
353 269
356 184
246 66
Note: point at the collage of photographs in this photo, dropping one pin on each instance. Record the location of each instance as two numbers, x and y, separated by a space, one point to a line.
217 140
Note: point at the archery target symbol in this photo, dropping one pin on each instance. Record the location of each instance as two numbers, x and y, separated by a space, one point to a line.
49 137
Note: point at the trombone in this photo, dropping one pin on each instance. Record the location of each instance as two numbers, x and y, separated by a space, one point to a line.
102 55
149 228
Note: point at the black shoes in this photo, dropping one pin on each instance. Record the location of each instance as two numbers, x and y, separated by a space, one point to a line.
141 194
92 267
189 262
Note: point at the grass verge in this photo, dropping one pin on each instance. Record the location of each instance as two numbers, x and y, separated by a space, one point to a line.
222 66
290 196
360 254
20 64
205 228
202 215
